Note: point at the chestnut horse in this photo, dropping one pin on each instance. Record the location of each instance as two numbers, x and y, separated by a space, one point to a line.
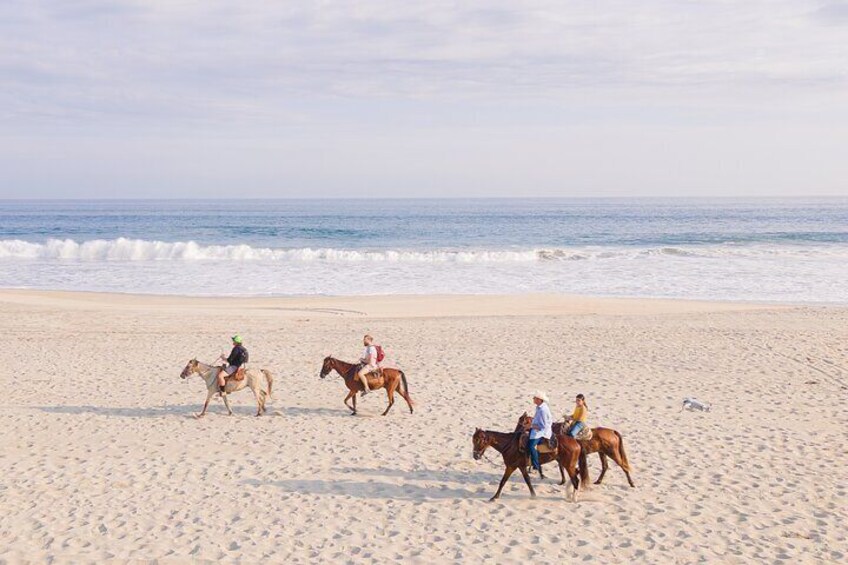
391 380
606 442
507 444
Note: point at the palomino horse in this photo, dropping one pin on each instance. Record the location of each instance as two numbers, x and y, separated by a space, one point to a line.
391 380
252 379
606 442
507 444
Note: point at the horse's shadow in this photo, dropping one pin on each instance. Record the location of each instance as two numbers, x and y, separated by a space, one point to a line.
302 411
183 410
476 477
368 490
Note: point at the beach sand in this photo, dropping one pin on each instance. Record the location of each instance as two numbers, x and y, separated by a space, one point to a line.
102 458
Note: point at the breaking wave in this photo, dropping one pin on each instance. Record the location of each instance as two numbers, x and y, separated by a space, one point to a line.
123 249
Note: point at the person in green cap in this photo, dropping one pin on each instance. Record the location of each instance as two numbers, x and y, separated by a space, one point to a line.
238 357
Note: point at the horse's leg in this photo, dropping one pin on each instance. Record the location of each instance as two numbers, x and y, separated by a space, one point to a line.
526 475
390 392
604 467
405 395
259 401
507 472
572 474
561 472
351 394
616 456
354 401
227 404
209 395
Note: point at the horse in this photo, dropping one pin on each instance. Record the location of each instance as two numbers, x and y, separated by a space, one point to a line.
567 456
390 379
606 442
252 379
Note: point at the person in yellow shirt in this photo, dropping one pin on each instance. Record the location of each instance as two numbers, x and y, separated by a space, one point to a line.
578 417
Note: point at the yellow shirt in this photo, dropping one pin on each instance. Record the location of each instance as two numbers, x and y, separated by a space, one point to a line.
580 414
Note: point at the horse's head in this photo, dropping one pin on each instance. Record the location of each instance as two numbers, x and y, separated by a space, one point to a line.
524 422
189 369
327 366
481 442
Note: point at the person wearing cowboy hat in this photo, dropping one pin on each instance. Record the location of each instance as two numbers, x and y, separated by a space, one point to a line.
238 357
540 428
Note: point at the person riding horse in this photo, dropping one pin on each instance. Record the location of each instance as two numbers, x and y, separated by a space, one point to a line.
540 429
238 357
577 420
369 362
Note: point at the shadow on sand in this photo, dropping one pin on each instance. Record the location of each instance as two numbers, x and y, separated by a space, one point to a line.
369 490
474 477
173 410
300 411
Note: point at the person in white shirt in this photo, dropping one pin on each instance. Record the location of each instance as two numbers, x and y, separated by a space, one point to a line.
368 360
541 428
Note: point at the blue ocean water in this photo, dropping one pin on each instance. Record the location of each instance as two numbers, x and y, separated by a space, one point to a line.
791 250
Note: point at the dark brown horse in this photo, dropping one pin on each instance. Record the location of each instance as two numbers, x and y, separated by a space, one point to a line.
606 442
390 379
507 444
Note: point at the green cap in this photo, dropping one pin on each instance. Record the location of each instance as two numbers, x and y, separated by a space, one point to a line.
237 338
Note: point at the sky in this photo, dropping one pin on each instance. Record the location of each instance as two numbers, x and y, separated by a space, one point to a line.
212 99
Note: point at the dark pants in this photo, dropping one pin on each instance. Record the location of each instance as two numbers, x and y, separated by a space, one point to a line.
534 453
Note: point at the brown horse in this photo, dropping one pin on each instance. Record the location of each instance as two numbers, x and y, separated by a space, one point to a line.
507 444
606 442
390 379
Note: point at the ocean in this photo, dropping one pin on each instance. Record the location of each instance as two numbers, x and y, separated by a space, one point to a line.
775 250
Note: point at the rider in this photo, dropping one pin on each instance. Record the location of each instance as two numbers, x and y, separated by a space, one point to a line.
540 428
368 361
578 417
238 357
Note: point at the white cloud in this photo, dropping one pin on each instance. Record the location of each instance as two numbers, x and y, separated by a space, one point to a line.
304 71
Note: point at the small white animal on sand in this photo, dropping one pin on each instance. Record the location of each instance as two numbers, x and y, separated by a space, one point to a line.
695 404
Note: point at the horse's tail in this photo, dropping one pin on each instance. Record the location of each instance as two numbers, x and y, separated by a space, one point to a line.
625 464
270 378
405 386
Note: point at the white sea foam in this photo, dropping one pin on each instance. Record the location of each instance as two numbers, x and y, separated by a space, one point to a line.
123 249
800 273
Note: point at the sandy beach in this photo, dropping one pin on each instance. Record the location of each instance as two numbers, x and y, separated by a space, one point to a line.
102 458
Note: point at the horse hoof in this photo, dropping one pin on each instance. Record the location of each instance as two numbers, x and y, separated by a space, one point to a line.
494 498
597 482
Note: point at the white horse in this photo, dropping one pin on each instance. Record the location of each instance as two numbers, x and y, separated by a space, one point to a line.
252 378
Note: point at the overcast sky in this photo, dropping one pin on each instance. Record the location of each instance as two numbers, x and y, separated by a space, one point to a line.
204 98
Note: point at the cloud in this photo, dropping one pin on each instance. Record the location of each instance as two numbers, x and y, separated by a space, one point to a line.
190 60
303 72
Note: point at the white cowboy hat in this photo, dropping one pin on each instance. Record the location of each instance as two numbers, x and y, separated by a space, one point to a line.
540 395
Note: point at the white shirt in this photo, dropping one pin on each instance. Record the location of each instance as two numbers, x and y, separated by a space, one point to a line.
369 355
543 420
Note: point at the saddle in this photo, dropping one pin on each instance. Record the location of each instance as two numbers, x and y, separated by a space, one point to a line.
546 446
374 378
583 435
237 376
